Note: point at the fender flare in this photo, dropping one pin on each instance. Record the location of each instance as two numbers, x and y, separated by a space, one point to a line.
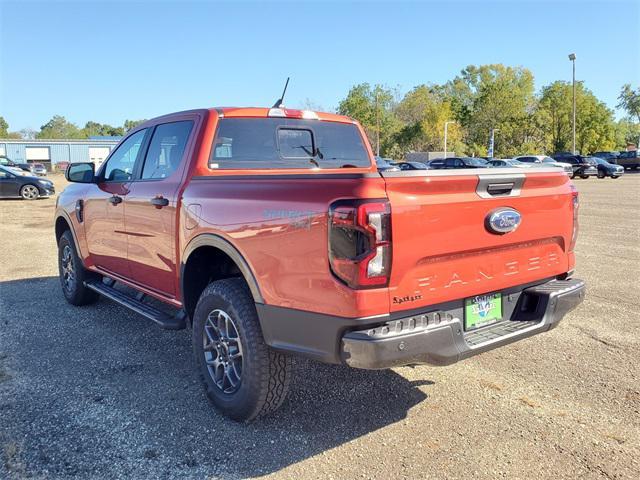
216 241
62 214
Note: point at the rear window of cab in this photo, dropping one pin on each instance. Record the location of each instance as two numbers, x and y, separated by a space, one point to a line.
279 143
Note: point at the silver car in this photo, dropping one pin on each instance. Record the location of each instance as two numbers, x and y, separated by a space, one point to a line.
38 169
544 161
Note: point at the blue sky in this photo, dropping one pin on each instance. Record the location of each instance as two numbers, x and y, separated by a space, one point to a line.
112 61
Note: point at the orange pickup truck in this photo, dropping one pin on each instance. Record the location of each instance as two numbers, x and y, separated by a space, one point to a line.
270 233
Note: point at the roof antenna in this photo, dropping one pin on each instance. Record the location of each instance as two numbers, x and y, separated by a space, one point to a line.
280 100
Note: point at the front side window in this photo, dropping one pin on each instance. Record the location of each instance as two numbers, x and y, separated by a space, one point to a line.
267 143
120 165
166 149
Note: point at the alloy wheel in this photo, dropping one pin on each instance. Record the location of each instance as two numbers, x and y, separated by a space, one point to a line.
222 351
68 270
29 192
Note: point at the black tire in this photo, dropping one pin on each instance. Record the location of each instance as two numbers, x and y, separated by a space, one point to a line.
265 373
584 177
615 176
30 192
73 274
601 175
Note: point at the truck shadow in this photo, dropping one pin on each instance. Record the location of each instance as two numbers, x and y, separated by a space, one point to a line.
101 390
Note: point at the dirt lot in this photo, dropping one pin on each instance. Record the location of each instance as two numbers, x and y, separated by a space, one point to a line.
98 392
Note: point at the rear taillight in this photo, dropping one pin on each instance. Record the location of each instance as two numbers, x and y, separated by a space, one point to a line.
575 203
360 243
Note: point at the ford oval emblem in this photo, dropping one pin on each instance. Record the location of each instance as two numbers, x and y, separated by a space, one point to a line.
503 220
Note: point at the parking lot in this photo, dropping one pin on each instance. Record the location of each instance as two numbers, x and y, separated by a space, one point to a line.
98 392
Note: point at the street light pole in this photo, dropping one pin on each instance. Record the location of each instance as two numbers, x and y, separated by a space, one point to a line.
572 57
446 124
492 142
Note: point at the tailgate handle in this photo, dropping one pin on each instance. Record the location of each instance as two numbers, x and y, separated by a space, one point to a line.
500 188
500 185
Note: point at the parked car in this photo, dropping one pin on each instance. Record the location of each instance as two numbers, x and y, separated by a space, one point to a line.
545 161
257 237
412 166
62 166
458 162
39 169
508 163
629 159
610 157
13 185
583 167
606 169
385 164
7 162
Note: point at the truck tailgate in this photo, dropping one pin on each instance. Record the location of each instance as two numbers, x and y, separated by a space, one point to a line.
443 247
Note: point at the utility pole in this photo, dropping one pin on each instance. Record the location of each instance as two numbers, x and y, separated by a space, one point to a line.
572 57
377 126
446 124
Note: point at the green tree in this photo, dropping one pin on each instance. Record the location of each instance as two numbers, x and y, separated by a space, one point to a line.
374 109
4 128
629 100
595 128
92 129
59 127
130 124
424 111
494 97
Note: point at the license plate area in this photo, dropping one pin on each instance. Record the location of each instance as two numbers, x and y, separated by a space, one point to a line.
482 310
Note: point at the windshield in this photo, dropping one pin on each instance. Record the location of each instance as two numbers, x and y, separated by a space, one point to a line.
476 162
265 143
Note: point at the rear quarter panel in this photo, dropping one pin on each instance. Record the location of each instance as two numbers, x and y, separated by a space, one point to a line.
279 225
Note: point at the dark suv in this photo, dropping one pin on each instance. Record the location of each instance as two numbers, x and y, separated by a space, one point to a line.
629 159
583 167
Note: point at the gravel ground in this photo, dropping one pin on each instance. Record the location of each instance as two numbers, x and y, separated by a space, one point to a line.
98 392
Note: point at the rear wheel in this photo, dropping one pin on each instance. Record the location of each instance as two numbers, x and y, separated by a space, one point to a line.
29 192
73 274
584 176
243 377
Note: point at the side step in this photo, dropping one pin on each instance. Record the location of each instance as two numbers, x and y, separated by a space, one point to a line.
164 320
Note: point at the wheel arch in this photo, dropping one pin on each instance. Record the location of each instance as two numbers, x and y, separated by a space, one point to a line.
223 259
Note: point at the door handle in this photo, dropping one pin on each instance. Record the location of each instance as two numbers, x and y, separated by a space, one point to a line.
159 202
114 200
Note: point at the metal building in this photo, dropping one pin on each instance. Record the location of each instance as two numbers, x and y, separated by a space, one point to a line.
51 152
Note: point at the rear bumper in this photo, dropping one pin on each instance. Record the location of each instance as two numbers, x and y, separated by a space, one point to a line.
438 338
435 336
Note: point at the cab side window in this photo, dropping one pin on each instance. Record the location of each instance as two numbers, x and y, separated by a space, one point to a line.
166 149
120 165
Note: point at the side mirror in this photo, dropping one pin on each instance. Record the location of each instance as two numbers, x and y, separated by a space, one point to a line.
80 172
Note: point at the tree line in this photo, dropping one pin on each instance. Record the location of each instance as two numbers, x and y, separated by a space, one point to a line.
486 97
60 128
480 99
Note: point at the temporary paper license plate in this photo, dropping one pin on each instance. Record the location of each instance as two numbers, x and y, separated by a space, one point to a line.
482 310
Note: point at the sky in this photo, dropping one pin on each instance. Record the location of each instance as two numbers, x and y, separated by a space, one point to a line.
111 61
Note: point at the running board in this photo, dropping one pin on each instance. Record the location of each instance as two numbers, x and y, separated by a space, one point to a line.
164 320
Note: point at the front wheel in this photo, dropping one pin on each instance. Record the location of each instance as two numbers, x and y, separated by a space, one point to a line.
29 192
615 176
73 274
243 377
584 177
601 175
